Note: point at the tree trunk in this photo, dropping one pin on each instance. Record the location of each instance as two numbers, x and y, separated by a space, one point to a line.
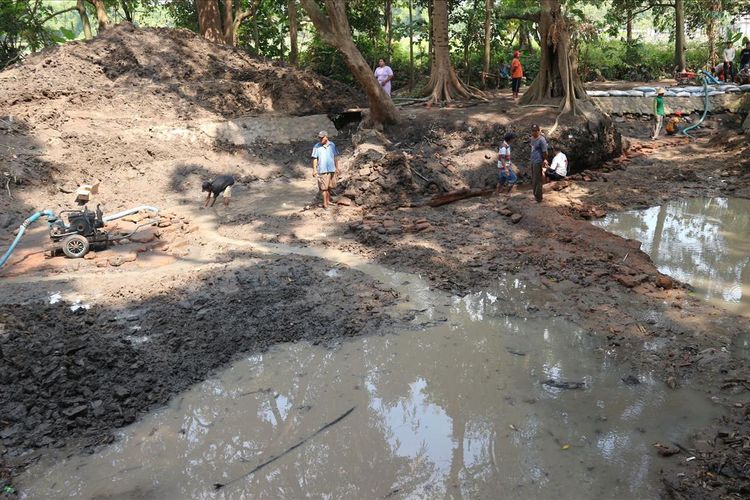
81 8
256 35
234 17
488 7
629 27
209 20
411 46
293 47
101 14
679 35
444 84
713 13
558 71
430 35
333 27
524 40
227 22
127 10
389 26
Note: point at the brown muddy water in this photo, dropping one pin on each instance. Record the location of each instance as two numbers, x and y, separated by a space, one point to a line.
454 406
704 242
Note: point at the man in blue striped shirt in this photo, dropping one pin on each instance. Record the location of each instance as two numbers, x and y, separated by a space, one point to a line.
325 165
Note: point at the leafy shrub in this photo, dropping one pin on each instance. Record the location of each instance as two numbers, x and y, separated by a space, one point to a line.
635 61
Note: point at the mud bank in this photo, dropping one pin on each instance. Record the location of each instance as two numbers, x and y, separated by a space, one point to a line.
70 375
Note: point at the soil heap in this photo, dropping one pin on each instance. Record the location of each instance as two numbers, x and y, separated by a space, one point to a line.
162 72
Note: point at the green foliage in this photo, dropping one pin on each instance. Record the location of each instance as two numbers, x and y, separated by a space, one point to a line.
22 29
636 61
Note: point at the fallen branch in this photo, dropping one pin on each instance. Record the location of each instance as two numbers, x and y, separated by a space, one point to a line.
420 175
218 486
461 194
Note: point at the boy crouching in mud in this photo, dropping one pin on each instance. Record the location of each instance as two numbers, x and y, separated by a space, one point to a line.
505 174
221 184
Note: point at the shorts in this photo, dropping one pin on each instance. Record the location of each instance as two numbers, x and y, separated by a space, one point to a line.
227 192
326 181
554 176
510 178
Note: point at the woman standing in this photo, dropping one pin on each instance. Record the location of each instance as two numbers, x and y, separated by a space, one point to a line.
384 75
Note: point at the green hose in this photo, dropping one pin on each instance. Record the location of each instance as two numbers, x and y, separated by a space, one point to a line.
705 111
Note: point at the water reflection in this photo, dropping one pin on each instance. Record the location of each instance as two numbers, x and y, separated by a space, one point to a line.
703 242
455 411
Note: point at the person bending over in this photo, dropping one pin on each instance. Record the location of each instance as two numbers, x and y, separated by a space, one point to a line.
221 184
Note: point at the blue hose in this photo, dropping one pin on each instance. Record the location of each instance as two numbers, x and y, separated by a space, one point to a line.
705 110
51 217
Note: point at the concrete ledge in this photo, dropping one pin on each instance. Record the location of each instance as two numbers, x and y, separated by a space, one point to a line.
733 102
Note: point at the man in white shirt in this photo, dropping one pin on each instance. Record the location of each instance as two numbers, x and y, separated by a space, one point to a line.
384 75
558 169
729 63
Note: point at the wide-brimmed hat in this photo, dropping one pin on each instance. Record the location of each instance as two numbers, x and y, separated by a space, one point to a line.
661 91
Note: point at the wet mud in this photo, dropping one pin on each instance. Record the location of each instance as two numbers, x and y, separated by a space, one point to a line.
71 373
462 407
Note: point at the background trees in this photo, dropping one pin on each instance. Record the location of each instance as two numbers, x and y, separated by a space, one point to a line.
436 47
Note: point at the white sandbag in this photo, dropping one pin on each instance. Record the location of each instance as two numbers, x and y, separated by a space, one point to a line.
733 88
745 88
692 89
668 93
645 89
683 94
653 94
618 93
716 92
634 93
597 93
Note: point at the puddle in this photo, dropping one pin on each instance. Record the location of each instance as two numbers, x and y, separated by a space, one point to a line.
456 408
700 241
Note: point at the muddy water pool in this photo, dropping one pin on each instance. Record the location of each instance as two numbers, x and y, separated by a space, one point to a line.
454 406
704 242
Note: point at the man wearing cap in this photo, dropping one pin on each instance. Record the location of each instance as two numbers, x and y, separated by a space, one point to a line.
538 160
658 112
325 165
516 74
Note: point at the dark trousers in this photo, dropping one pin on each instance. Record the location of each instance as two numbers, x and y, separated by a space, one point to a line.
516 85
536 180
728 72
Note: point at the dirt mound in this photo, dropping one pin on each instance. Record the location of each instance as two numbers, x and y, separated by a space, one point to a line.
68 372
377 178
156 71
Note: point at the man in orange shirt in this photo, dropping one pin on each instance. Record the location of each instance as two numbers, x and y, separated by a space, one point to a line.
516 73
